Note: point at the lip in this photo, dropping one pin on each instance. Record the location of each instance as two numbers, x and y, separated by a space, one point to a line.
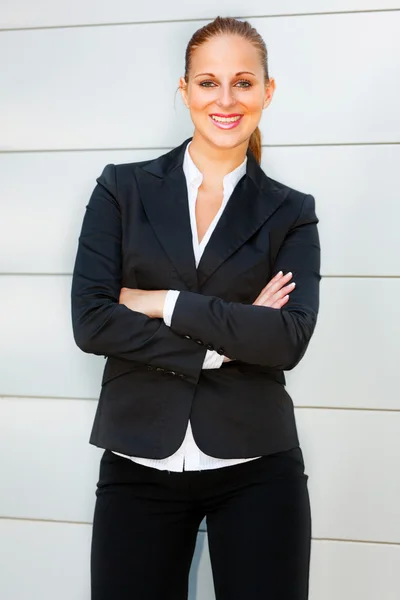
226 116
226 125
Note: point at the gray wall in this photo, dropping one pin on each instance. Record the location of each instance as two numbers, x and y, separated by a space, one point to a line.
84 83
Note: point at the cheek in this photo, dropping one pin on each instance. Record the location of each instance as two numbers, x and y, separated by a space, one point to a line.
253 102
199 111
199 99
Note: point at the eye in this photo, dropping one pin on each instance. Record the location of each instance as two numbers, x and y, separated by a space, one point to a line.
207 84
244 83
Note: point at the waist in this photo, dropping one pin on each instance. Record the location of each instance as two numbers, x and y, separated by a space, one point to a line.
275 374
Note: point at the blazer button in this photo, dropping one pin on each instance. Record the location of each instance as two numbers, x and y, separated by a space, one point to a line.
209 347
188 337
221 351
160 369
170 373
150 367
181 375
199 342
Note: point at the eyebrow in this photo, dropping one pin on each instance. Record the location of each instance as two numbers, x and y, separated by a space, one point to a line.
212 74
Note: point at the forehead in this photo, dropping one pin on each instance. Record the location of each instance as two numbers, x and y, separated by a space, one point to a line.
225 53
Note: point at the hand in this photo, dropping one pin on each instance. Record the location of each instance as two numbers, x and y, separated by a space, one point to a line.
276 293
148 302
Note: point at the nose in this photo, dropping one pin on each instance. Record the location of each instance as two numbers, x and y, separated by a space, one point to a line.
226 97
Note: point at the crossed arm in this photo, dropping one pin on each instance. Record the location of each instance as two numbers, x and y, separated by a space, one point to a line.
152 303
108 320
262 334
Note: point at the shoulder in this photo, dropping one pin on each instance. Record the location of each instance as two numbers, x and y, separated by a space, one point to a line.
159 166
120 178
288 199
124 171
294 207
292 195
293 200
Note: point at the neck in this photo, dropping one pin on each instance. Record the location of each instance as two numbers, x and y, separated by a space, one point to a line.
213 161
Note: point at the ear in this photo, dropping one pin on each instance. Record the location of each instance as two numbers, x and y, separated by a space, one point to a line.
183 91
269 92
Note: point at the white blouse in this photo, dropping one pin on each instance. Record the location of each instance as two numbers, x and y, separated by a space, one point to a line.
189 457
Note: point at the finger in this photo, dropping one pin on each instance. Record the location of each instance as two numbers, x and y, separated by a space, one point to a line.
285 290
279 303
269 298
273 280
276 277
279 280
276 284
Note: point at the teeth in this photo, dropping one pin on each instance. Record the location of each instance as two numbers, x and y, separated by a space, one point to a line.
225 119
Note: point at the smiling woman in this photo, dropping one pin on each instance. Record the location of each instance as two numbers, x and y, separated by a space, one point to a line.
183 280
236 88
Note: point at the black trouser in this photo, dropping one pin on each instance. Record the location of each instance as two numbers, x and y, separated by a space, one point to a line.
146 523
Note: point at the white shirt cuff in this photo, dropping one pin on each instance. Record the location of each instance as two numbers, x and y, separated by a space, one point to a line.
212 360
169 306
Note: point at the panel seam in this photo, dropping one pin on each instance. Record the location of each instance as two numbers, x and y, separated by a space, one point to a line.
197 19
167 148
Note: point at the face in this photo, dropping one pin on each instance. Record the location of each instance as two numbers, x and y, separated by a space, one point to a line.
226 91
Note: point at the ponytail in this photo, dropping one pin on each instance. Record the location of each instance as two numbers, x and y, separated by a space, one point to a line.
255 144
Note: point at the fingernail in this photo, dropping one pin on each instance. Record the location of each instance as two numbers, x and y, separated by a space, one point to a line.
280 274
290 273
293 284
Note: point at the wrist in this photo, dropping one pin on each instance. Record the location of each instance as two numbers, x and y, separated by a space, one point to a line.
161 297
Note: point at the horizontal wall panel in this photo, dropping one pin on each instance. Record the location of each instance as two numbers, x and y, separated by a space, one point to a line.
351 360
45 13
354 571
114 91
353 461
38 354
355 188
351 457
54 559
44 561
46 198
48 468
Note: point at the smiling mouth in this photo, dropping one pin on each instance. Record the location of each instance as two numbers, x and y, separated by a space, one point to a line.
226 122
220 119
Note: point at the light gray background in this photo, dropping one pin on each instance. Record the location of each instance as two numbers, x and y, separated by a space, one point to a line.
84 83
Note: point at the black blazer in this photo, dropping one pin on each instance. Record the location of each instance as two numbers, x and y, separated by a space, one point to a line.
136 233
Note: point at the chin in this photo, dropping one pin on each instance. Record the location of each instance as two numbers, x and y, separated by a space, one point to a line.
225 139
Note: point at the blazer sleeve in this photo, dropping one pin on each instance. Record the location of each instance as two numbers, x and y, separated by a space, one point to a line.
256 334
100 324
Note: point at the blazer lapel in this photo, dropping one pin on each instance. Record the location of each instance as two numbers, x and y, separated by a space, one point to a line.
253 201
163 192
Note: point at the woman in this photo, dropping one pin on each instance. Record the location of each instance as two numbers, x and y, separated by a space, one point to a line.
197 277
